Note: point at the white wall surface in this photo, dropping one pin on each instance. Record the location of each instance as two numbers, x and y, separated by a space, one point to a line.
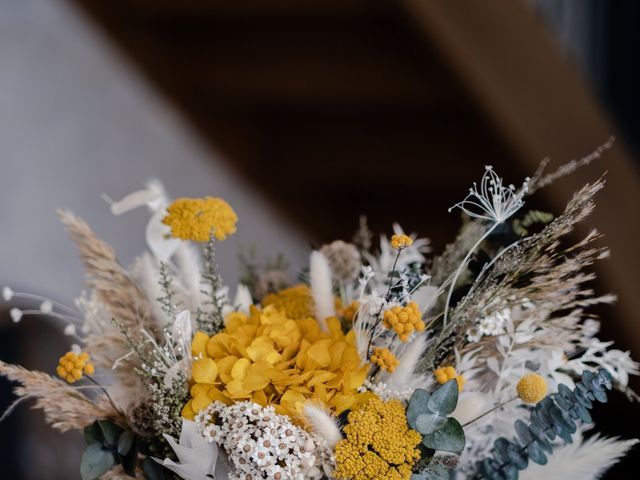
77 120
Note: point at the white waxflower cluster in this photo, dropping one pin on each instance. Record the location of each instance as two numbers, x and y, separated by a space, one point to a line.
385 392
260 444
489 325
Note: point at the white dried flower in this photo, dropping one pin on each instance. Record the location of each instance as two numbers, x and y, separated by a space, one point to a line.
262 444
344 260
7 294
16 314
492 200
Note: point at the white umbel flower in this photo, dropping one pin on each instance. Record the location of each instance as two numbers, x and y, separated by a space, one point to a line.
492 200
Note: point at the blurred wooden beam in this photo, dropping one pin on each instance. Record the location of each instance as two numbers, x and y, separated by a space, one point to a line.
541 103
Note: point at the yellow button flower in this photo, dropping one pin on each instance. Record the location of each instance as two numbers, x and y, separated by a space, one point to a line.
398 242
198 219
72 366
384 359
444 374
404 320
532 388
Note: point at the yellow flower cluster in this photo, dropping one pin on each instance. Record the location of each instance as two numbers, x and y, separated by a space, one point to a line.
404 320
272 359
349 312
444 374
296 302
384 359
532 388
379 445
72 366
398 242
198 218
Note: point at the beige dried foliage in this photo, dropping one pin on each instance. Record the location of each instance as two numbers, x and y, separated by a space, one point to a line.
115 288
65 407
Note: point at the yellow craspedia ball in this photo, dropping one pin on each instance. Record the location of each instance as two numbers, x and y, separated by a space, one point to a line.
532 388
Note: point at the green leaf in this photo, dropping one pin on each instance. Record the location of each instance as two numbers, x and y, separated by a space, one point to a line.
417 405
427 423
153 470
95 462
444 400
125 441
536 454
130 460
93 434
111 432
449 438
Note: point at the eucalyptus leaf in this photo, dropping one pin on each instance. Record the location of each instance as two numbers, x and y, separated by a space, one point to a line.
418 403
96 461
93 434
523 432
427 423
444 400
153 470
450 438
517 457
125 441
130 460
111 432
536 454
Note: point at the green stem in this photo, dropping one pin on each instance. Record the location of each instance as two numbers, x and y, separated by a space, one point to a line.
460 268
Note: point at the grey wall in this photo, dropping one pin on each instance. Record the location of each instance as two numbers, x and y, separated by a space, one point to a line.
77 120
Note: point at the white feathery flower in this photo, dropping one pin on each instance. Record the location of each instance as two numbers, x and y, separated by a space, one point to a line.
198 459
492 200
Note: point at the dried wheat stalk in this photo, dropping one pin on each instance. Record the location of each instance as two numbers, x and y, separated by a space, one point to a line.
65 408
113 285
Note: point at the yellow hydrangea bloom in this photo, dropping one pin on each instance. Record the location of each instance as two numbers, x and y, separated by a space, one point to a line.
270 358
444 374
379 445
296 302
72 366
198 218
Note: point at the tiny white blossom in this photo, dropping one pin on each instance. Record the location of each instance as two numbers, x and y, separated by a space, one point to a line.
7 294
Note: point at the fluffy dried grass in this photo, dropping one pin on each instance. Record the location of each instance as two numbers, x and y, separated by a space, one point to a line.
114 287
65 407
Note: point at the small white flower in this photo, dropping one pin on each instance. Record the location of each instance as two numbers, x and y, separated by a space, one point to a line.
46 307
77 349
70 329
7 294
16 314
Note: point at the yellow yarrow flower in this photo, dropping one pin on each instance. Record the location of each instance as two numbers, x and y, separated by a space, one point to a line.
404 320
444 374
398 242
379 445
272 359
296 302
532 388
72 366
198 219
384 359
